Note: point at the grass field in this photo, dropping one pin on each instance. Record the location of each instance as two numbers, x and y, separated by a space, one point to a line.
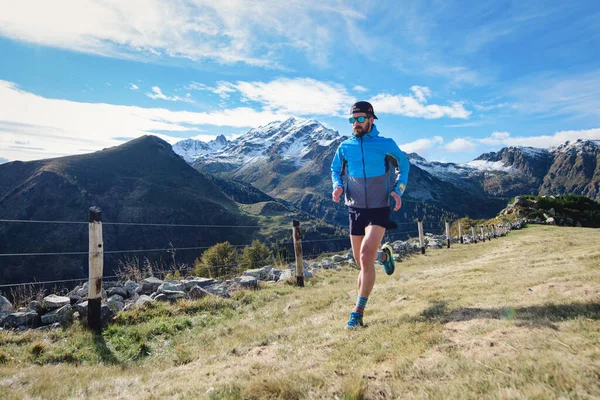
514 318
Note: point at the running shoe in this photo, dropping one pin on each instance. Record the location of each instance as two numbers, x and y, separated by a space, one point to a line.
389 264
355 321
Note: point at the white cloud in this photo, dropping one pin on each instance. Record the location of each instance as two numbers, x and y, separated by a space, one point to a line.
158 94
223 89
542 141
65 127
416 105
133 86
3 160
360 88
226 31
423 147
421 93
460 145
302 96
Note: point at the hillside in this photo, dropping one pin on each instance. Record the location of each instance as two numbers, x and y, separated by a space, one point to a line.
141 181
464 322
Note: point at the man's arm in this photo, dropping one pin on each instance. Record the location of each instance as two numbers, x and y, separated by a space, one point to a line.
336 175
401 174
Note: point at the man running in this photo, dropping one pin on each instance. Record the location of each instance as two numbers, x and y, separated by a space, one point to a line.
364 160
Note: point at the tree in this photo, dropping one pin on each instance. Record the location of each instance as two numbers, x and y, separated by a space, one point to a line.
255 255
216 261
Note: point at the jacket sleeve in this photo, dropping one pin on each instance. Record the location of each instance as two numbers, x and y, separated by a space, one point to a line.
336 168
402 170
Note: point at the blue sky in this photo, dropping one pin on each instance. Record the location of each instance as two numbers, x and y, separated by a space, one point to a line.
449 80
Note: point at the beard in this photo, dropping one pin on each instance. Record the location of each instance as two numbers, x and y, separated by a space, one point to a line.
359 131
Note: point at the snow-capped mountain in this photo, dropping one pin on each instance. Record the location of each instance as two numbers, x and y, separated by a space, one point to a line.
290 160
290 143
191 149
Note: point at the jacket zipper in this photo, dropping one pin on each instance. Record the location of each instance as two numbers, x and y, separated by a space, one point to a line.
362 152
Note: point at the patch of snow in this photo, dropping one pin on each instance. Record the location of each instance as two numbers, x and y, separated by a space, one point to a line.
483 165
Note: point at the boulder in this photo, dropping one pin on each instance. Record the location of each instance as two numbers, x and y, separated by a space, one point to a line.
247 282
28 319
61 315
198 282
143 300
53 302
197 293
150 285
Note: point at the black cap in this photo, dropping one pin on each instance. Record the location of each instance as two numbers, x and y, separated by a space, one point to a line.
363 106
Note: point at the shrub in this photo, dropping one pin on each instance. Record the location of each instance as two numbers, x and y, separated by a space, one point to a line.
256 255
218 260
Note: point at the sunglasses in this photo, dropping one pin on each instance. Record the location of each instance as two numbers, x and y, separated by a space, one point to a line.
360 119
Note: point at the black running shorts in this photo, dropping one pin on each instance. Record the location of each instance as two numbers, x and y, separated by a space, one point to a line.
363 217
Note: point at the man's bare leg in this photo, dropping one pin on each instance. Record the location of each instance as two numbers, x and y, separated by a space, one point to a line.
364 249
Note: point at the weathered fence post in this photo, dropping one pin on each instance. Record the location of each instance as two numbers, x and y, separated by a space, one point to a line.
494 232
448 233
298 253
482 234
96 266
421 240
473 234
460 236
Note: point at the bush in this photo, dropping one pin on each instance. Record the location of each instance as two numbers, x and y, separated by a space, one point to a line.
256 255
217 261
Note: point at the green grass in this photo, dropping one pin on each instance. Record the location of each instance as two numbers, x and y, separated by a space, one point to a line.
517 317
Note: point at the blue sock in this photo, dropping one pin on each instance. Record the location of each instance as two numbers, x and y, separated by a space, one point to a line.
361 303
379 255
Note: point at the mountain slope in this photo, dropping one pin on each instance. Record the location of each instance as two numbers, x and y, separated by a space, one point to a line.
575 170
142 181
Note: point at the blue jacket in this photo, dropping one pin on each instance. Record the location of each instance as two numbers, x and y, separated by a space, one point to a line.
365 163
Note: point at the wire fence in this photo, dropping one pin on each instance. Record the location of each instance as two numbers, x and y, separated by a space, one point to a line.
403 230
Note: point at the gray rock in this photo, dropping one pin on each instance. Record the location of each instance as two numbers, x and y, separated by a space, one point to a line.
248 282
198 282
171 286
5 304
61 315
150 285
118 290
259 273
131 288
143 300
172 294
81 308
35 306
53 302
338 258
28 319
161 297
197 293
106 314
220 289
285 274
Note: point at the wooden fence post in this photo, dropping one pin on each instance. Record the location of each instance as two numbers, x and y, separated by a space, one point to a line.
96 266
421 240
460 236
473 234
482 234
298 253
448 233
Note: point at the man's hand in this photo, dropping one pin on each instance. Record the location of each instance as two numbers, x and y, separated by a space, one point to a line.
335 195
398 201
